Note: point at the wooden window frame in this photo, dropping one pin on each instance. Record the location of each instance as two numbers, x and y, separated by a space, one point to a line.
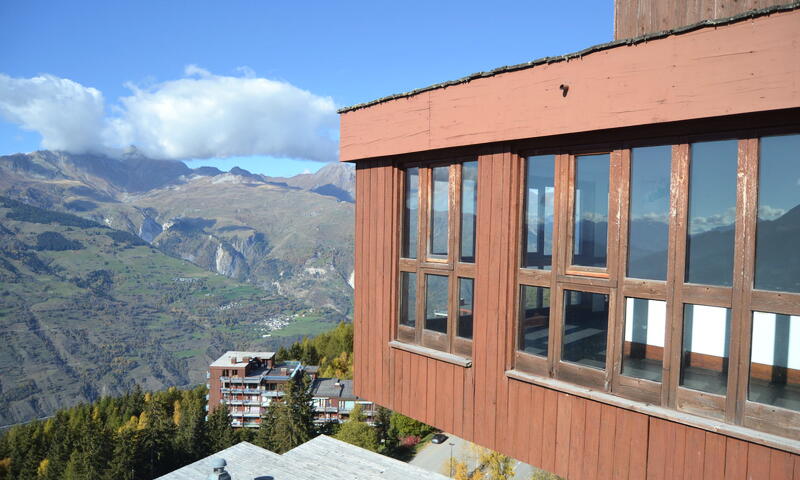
734 408
423 265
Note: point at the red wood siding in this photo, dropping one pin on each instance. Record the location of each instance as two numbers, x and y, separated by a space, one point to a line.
571 436
745 67
633 18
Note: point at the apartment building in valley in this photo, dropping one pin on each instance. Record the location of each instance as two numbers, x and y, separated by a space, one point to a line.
591 262
247 382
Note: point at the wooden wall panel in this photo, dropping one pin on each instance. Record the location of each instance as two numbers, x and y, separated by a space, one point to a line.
574 437
633 18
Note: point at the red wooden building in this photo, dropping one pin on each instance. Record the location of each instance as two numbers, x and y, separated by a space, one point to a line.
591 262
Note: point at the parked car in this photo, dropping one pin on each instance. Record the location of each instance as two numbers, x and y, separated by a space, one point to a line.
439 438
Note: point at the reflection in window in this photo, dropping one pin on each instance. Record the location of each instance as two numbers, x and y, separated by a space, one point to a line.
643 349
538 228
440 211
408 299
778 230
585 328
590 234
534 323
469 205
712 213
465 308
649 212
775 360
706 340
410 214
436 289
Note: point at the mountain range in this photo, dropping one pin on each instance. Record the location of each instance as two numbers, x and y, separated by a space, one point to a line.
290 236
134 270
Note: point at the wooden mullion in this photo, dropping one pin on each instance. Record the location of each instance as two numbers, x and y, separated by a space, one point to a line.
454 219
424 213
745 213
744 262
616 336
560 256
676 269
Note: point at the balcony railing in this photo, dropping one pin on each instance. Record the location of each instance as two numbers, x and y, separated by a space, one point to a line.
326 409
234 402
251 425
252 415
271 393
255 380
252 391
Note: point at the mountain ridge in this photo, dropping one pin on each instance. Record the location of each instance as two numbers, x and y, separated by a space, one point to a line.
306 253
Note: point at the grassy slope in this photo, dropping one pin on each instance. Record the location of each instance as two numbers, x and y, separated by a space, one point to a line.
67 336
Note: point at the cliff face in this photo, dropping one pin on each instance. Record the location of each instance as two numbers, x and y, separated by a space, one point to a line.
291 235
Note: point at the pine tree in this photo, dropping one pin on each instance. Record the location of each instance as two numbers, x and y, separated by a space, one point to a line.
387 437
220 434
124 456
156 437
291 422
191 436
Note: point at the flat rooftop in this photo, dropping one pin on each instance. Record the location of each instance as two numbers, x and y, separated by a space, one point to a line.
322 457
237 359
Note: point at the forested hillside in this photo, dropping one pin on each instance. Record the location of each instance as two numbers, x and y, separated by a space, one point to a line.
87 311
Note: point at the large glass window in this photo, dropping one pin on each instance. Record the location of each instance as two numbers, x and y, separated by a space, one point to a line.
410 214
538 217
590 218
534 328
778 229
706 342
465 309
437 281
436 289
712 213
649 212
643 345
585 328
775 360
469 208
440 212
408 299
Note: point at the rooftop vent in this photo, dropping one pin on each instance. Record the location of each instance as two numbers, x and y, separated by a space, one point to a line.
218 470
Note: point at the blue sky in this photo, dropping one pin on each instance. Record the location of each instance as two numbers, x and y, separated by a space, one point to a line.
312 56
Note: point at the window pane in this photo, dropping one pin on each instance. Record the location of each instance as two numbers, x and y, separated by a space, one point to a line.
775 360
440 210
411 214
778 230
706 339
436 288
538 218
585 328
591 210
469 208
534 324
643 349
649 212
712 213
408 299
465 309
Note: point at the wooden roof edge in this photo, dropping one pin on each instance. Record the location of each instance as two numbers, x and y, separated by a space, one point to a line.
750 14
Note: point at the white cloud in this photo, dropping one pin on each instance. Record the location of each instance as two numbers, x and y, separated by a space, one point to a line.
200 116
68 115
